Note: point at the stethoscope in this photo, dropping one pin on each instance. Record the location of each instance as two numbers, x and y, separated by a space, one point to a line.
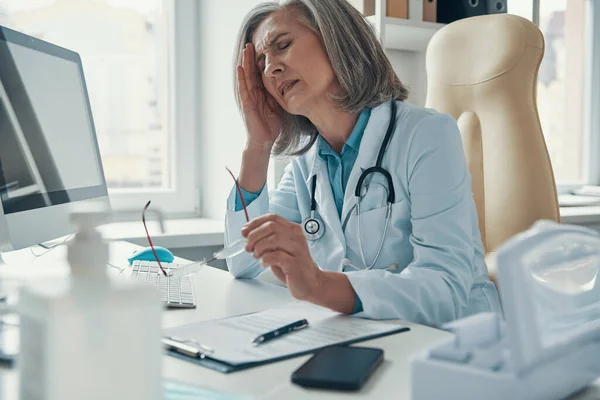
313 226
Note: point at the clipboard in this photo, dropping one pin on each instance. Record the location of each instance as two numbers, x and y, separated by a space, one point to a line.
179 390
183 342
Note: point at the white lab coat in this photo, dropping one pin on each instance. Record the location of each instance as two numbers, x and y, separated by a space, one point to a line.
431 269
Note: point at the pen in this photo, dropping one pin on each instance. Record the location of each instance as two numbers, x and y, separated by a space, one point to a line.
294 326
189 348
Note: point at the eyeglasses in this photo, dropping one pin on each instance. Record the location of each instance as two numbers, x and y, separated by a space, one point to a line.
150 240
233 249
239 190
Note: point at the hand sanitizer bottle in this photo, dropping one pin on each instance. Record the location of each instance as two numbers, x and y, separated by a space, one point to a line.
88 337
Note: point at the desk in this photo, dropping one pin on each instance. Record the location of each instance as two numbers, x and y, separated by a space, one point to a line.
219 295
587 215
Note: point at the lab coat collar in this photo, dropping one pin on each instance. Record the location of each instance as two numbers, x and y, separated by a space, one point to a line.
367 154
324 195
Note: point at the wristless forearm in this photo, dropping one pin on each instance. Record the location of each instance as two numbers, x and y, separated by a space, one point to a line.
253 174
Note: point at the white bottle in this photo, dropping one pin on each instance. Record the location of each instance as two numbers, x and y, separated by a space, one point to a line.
88 337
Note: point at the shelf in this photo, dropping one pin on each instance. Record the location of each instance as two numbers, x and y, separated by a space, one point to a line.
407 35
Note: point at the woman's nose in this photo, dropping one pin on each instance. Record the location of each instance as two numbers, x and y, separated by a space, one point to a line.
272 67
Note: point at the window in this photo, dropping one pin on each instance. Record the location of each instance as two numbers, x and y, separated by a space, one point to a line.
129 63
562 79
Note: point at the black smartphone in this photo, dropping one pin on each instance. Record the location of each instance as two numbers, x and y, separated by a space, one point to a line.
339 368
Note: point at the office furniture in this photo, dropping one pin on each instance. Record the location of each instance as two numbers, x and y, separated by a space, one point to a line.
408 34
190 238
220 295
450 11
430 10
394 8
483 71
587 216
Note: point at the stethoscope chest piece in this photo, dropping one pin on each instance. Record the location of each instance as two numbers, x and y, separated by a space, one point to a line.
313 228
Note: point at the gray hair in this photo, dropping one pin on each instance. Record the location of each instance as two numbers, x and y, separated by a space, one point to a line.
358 60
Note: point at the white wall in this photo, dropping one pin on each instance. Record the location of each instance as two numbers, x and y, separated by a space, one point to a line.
410 68
221 131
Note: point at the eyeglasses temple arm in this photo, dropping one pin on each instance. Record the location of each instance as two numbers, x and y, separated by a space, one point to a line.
239 190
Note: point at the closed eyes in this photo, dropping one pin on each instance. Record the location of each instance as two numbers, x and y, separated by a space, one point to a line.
280 46
285 45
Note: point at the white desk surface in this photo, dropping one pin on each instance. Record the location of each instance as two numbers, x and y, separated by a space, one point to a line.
219 295
580 215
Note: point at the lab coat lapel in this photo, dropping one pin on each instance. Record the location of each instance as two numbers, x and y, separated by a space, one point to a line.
367 154
324 195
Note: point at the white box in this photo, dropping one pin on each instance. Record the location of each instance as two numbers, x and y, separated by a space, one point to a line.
549 346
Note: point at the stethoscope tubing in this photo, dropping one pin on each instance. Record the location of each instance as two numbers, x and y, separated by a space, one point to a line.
391 195
388 215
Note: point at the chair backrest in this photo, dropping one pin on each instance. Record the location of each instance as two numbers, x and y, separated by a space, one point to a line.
483 71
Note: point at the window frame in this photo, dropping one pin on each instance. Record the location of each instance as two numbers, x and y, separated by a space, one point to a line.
591 123
593 96
182 43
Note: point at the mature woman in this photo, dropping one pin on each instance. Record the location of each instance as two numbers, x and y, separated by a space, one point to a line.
313 81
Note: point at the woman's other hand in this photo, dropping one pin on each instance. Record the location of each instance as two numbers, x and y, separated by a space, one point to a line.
262 114
281 245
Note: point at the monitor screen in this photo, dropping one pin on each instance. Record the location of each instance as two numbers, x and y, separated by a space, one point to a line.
48 149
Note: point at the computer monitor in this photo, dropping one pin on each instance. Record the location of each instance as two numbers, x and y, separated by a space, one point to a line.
49 156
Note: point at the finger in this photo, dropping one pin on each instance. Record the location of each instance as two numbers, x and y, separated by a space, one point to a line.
274 243
249 67
273 225
253 67
258 221
242 87
269 228
278 259
278 272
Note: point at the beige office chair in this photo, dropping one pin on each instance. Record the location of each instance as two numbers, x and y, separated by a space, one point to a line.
483 71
